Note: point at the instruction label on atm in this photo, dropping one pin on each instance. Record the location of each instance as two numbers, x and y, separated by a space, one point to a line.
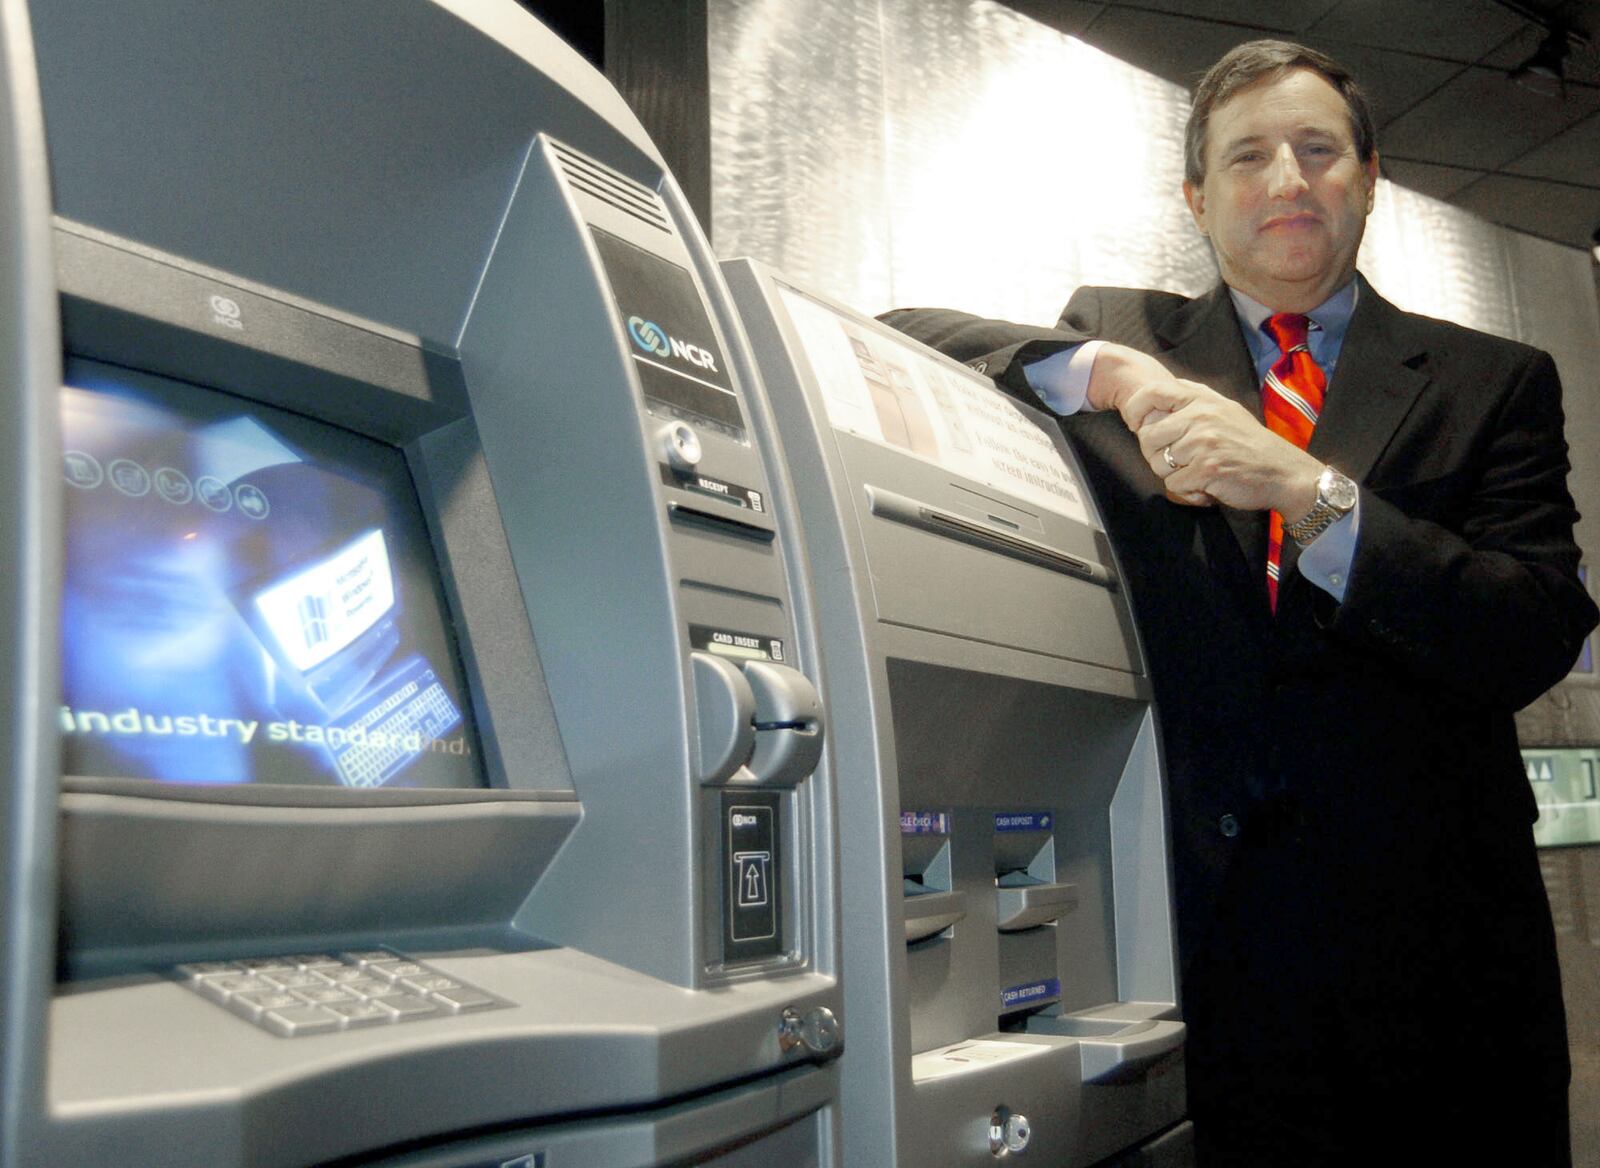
1030 993
1024 821
753 910
731 493
888 392
924 823
741 646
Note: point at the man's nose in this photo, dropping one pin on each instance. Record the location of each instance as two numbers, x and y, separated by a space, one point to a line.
1284 180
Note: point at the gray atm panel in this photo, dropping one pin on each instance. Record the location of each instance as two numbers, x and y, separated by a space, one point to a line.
1009 929
406 246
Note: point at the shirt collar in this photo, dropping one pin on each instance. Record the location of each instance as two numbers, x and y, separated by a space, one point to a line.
1330 320
1332 315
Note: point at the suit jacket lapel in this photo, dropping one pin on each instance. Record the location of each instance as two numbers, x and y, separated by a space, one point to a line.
1205 345
1201 341
1379 376
1377 380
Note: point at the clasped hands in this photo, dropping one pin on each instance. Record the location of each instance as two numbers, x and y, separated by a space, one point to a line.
1205 448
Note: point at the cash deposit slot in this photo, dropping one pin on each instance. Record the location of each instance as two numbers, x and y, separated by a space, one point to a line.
1004 840
427 761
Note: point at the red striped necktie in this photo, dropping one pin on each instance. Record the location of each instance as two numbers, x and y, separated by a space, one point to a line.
1291 399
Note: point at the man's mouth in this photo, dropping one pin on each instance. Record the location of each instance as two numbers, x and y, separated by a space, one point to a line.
1300 219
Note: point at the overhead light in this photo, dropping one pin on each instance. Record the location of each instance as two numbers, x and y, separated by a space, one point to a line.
1545 73
1594 245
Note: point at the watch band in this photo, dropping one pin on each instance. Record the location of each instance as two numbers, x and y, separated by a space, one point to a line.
1336 496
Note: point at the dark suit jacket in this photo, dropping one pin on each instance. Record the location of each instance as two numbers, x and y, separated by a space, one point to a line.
1349 811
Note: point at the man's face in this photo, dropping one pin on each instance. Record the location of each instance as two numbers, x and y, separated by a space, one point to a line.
1285 197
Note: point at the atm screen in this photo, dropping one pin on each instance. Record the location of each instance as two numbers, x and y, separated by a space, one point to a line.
248 597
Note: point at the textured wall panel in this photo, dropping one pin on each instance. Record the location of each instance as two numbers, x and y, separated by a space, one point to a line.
1553 287
1023 163
1429 257
942 152
798 142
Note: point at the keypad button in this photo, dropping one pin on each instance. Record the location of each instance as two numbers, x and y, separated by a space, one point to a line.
464 998
294 980
361 1013
315 960
373 987
326 995
342 975
224 986
407 1006
293 1021
394 970
252 1006
267 965
365 956
429 982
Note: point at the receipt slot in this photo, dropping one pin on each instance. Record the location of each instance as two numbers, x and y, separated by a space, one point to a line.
1008 922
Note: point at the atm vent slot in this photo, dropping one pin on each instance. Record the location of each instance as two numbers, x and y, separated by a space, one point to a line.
612 188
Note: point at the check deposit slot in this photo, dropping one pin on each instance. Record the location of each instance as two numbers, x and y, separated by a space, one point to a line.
415 752
1008 923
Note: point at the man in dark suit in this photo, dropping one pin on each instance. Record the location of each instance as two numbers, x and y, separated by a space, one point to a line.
1369 969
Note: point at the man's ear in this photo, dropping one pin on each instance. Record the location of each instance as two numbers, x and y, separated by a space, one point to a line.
1195 196
1370 166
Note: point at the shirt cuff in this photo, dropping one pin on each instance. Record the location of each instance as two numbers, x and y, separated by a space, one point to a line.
1062 379
1326 560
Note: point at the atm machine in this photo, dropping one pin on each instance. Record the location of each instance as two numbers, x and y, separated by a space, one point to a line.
412 743
1007 915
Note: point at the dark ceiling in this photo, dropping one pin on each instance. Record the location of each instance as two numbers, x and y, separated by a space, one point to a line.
1451 122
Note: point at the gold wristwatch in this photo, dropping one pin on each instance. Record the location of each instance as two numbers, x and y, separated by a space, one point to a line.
1336 497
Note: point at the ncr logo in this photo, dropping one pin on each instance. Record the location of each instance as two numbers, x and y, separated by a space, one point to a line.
652 338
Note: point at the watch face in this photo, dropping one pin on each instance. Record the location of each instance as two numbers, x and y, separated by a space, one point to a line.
1339 491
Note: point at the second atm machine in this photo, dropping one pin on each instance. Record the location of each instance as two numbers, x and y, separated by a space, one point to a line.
1007 916
420 632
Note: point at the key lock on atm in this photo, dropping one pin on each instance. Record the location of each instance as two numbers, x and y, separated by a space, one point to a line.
760 728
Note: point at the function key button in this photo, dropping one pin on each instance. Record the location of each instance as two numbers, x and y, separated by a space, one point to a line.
464 998
293 1021
408 1006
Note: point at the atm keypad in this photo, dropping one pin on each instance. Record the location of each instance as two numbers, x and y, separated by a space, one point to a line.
315 993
